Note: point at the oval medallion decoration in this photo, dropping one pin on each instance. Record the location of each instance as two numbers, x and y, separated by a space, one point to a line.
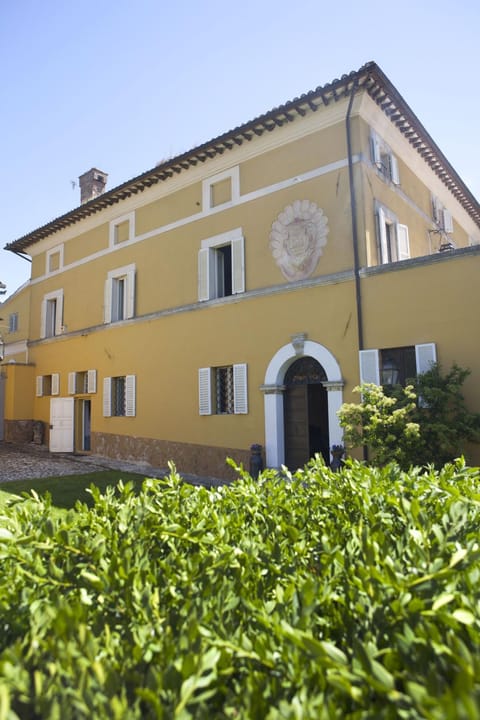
297 237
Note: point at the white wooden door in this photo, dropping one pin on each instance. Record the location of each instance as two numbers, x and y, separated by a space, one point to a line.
61 425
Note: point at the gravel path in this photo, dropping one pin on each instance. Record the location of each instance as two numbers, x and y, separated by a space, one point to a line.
33 461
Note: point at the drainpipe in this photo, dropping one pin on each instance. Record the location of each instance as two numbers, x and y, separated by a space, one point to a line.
353 209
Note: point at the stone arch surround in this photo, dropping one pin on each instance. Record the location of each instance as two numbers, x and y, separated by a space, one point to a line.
273 390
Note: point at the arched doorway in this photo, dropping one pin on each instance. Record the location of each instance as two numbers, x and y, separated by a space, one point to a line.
305 413
274 390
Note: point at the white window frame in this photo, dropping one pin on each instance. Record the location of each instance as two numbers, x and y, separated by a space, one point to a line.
240 390
13 322
128 274
379 149
369 362
234 175
53 251
54 385
441 216
400 250
56 296
112 229
91 382
207 264
130 396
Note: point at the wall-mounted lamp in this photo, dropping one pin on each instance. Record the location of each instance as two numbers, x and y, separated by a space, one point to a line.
390 372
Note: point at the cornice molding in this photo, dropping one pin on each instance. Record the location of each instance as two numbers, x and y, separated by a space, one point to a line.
369 78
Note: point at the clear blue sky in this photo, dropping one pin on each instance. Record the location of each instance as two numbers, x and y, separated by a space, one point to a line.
120 85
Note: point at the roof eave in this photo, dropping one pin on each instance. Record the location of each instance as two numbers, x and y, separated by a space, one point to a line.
369 77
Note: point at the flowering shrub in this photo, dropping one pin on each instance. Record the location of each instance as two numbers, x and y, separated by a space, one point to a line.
426 422
383 423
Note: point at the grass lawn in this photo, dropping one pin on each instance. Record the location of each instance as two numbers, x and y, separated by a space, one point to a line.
66 490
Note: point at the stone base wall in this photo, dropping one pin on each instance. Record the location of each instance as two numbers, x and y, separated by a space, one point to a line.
200 460
18 431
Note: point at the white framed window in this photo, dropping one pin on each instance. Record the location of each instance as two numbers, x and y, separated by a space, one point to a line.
441 216
13 322
47 385
223 390
393 241
122 229
51 322
384 159
120 294
221 266
221 190
391 366
82 382
119 396
54 259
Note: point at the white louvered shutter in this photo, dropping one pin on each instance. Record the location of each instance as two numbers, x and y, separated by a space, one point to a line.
204 274
108 300
91 381
43 319
107 397
425 356
382 232
375 147
130 395
238 266
72 383
403 242
369 367
55 384
130 291
39 385
240 389
394 174
59 314
204 391
447 221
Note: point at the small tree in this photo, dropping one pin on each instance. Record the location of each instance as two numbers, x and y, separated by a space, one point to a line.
425 423
383 423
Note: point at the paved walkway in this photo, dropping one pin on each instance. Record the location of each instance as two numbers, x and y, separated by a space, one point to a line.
21 462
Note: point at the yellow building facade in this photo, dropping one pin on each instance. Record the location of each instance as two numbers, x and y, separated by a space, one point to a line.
236 294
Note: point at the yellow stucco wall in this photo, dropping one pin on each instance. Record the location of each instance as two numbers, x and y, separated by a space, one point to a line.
165 355
19 391
15 342
425 302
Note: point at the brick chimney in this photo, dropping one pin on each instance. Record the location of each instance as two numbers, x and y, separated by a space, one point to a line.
92 184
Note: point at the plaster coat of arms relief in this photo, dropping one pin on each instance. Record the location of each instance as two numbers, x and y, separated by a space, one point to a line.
297 238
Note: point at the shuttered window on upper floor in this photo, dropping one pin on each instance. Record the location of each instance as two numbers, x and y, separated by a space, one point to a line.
221 266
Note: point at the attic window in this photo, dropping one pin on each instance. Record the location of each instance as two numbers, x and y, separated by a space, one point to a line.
122 229
441 216
54 259
384 160
221 190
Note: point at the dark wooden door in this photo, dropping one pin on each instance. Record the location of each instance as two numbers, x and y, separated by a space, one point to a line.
297 443
305 413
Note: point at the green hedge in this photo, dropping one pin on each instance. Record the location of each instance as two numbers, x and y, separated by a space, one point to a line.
350 595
